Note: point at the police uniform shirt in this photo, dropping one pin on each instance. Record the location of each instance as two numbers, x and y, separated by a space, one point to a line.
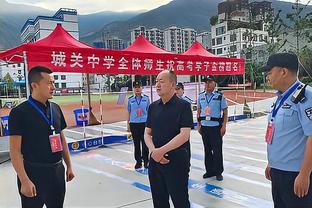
167 119
136 102
293 126
216 102
27 122
187 99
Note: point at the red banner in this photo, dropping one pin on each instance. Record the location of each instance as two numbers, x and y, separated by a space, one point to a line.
101 61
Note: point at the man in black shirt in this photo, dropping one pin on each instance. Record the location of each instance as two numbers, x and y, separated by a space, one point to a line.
38 145
167 134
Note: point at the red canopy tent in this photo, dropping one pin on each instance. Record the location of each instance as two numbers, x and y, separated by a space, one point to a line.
141 45
199 50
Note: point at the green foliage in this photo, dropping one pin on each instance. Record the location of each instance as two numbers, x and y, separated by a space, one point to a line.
213 20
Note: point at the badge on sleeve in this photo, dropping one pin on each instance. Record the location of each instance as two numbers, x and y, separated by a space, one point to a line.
308 112
56 143
269 133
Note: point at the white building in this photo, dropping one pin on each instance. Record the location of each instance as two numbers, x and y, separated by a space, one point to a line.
41 27
188 38
154 35
172 39
16 71
178 40
204 38
240 25
114 43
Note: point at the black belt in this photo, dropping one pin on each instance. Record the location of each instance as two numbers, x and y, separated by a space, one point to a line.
47 165
209 118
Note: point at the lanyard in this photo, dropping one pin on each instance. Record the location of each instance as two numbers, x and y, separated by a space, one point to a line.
137 100
32 102
284 97
208 101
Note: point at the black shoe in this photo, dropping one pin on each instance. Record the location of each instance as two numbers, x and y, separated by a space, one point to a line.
208 175
138 165
219 178
146 165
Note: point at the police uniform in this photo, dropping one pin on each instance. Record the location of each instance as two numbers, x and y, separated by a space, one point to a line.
138 107
289 128
43 166
210 106
165 121
187 99
292 127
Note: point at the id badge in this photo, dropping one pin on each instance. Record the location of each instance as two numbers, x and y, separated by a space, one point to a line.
207 111
269 133
56 143
139 112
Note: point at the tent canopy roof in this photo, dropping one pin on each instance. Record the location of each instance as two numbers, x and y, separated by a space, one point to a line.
142 45
59 38
198 49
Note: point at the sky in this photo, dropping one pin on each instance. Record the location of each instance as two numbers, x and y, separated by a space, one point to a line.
93 6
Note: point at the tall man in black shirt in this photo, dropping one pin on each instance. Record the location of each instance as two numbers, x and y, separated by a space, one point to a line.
38 145
167 134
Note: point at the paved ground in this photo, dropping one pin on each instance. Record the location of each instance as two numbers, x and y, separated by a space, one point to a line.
106 178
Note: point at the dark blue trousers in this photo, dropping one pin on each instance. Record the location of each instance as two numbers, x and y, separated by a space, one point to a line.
283 190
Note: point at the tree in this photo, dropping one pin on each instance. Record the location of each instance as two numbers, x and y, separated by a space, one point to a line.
300 24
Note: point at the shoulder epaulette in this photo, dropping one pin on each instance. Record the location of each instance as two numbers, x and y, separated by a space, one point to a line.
130 96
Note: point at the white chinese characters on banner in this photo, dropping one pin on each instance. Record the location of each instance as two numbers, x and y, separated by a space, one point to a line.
58 59
108 62
159 65
76 60
117 62
136 64
170 65
93 60
148 64
123 64
180 65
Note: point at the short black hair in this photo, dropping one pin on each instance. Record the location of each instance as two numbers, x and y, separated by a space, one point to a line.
34 74
172 76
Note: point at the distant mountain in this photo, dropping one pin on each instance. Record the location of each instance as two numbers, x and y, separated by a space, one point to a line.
182 13
93 22
13 17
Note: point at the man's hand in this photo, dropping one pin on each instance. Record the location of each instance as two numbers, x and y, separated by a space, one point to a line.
28 189
158 155
69 174
267 172
223 130
128 127
301 185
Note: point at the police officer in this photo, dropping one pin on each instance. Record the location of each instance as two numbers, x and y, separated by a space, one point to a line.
289 134
167 135
180 93
212 116
137 113
38 145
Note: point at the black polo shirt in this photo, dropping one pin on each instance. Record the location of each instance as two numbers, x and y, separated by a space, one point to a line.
167 119
26 121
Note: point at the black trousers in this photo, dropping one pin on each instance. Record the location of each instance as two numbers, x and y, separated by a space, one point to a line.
283 190
137 131
213 149
171 179
49 183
